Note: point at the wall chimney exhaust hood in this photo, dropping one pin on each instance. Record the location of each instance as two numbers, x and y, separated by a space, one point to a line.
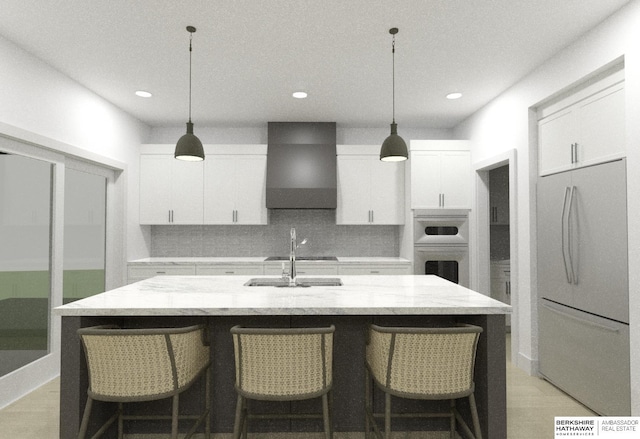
301 165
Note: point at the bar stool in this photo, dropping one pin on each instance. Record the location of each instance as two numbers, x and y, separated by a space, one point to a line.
283 364
130 365
425 364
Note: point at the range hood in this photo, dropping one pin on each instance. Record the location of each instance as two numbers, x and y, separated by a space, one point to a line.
301 165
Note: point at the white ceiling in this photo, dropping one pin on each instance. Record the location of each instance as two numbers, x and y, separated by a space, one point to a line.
250 55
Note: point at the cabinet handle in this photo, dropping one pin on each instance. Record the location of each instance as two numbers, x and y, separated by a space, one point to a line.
161 272
229 272
572 160
375 271
372 216
442 200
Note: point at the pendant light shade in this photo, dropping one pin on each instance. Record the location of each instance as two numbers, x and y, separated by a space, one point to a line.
189 147
394 148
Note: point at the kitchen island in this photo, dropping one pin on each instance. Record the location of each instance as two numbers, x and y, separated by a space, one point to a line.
224 301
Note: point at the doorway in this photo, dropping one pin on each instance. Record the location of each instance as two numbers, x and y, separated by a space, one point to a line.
497 225
500 237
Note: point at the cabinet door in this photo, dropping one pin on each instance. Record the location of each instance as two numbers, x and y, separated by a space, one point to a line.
499 195
219 190
387 192
155 189
354 190
425 180
250 194
556 134
601 126
186 191
235 189
455 179
170 190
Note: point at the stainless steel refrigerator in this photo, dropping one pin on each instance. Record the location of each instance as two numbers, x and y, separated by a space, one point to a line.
583 285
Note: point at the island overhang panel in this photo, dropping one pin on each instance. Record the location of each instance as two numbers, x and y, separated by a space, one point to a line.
223 301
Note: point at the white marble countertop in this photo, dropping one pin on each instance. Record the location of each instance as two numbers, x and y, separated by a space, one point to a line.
253 260
227 296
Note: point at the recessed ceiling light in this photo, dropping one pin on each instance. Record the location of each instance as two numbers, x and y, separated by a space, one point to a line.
143 94
299 94
455 95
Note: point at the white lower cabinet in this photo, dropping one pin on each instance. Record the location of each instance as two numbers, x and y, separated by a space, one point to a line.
374 270
230 269
137 273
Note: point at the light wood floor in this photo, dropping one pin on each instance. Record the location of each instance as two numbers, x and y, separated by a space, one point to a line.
532 404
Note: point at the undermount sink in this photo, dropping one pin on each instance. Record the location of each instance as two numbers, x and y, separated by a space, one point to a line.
300 282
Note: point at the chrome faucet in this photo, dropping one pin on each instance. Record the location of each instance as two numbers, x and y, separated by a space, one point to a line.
292 258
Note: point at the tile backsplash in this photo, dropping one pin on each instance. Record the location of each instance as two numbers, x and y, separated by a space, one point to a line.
318 226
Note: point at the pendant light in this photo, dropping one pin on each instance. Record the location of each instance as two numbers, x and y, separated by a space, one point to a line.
394 149
189 147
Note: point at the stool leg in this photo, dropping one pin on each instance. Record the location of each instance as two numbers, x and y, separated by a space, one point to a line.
367 401
120 421
85 418
174 418
387 415
452 409
207 403
326 417
239 421
474 416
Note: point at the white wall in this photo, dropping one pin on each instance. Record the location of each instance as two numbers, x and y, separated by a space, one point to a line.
55 111
504 124
51 117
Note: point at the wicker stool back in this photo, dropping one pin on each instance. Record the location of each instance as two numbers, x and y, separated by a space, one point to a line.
422 363
128 365
282 364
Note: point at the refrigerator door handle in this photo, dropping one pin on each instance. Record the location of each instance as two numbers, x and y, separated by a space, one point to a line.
562 228
574 275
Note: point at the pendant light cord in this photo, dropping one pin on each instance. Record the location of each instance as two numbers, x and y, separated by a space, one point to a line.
393 76
190 50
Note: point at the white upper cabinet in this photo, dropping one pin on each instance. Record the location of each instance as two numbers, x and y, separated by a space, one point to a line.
234 189
227 188
440 174
369 191
584 129
170 190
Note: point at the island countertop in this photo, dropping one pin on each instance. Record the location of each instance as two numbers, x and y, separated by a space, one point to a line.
228 296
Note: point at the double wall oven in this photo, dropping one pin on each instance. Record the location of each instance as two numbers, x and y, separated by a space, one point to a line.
441 244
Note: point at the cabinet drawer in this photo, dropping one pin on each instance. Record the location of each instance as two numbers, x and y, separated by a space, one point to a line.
587 357
147 271
374 270
228 270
